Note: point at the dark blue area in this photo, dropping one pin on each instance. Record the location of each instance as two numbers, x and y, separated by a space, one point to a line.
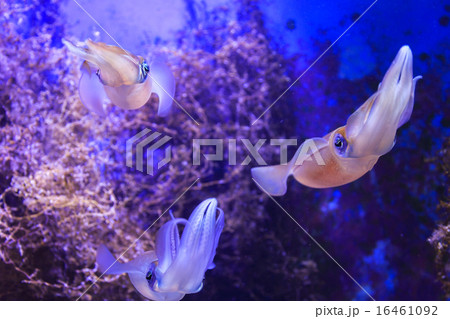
32 21
378 226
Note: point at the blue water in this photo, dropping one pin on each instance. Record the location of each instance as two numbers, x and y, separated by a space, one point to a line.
379 225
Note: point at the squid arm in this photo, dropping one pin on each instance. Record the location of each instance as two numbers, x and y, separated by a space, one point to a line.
193 252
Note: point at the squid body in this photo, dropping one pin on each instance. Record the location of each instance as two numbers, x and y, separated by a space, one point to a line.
178 265
347 153
126 79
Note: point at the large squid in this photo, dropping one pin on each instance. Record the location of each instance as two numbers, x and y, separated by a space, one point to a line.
350 151
126 79
179 264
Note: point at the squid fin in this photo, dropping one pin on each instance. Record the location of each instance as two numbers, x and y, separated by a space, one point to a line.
111 266
272 179
163 85
409 108
92 92
107 263
136 271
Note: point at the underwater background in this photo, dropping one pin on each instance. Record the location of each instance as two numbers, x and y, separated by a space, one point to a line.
65 188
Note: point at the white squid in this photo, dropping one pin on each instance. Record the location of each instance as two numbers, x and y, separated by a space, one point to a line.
179 264
352 150
126 79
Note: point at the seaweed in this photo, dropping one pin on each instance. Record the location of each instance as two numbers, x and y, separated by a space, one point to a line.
440 239
65 188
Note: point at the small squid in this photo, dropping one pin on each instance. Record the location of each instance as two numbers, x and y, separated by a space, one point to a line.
179 264
350 151
126 79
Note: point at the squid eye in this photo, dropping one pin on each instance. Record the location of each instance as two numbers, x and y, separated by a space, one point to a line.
145 67
143 71
340 143
150 274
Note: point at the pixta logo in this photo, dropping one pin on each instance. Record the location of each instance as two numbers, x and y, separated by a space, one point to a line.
308 151
157 153
153 145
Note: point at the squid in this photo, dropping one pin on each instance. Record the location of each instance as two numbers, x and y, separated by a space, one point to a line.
127 80
347 153
178 265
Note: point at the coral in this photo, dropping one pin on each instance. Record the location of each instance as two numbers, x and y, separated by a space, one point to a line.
440 239
65 188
